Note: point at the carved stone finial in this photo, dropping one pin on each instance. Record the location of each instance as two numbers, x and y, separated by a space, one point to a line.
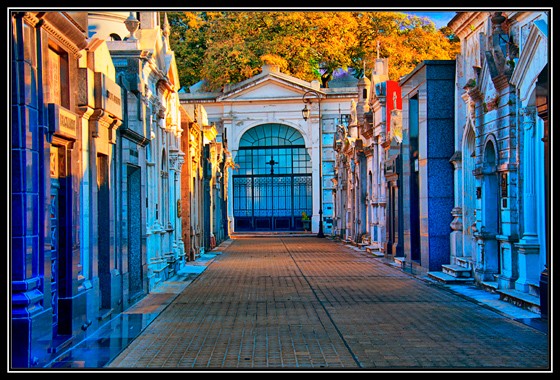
497 19
132 25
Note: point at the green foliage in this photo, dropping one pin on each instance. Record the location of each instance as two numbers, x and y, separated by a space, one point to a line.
189 41
471 83
228 47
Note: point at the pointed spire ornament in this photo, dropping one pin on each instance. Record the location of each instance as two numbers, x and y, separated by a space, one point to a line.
165 26
166 31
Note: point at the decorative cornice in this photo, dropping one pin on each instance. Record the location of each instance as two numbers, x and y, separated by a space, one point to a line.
134 136
100 117
475 94
368 150
457 156
61 28
500 82
466 23
84 112
31 19
367 131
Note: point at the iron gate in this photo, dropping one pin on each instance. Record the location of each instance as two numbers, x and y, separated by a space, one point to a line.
273 187
271 203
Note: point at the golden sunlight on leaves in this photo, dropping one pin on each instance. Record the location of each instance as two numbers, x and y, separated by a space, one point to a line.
228 47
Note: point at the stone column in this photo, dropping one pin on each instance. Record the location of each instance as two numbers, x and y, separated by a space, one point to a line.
227 127
85 112
178 213
528 246
529 193
314 123
456 236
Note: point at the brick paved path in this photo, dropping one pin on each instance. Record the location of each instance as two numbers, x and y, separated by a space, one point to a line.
304 302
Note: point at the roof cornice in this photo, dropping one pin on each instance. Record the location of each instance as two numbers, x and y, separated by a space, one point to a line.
466 22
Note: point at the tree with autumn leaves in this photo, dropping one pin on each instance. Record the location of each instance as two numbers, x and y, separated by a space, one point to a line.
228 47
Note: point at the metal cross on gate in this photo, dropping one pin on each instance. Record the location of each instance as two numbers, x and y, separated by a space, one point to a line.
272 163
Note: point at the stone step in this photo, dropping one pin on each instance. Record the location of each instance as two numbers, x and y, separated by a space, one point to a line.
449 279
374 251
104 314
456 270
464 262
489 286
399 261
521 299
60 343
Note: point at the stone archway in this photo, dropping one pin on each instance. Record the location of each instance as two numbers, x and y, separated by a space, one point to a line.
272 187
490 211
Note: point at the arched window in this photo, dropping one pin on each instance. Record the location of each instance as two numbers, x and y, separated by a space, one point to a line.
271 134
273 149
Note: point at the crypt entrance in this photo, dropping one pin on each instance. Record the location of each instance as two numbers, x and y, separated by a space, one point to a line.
272 186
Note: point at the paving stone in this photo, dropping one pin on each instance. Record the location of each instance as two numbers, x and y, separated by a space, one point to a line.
308 303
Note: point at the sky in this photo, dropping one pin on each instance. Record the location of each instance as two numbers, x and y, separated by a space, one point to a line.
439 18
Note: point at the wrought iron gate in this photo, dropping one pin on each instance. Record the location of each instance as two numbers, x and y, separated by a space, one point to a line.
271 203
273 187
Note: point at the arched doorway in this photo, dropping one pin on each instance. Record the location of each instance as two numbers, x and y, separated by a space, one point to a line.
490 211
272 186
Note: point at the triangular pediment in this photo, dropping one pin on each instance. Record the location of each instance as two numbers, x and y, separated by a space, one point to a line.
271 86
265 90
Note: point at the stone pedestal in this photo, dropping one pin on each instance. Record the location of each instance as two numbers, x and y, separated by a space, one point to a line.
528 262
487 258
508 262
456 237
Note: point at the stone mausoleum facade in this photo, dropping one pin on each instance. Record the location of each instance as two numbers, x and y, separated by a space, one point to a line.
275 174
96 163
118 178
501 214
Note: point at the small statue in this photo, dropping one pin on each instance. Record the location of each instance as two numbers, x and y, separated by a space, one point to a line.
353 113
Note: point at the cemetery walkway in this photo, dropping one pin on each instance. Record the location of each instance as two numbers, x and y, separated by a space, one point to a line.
301 303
